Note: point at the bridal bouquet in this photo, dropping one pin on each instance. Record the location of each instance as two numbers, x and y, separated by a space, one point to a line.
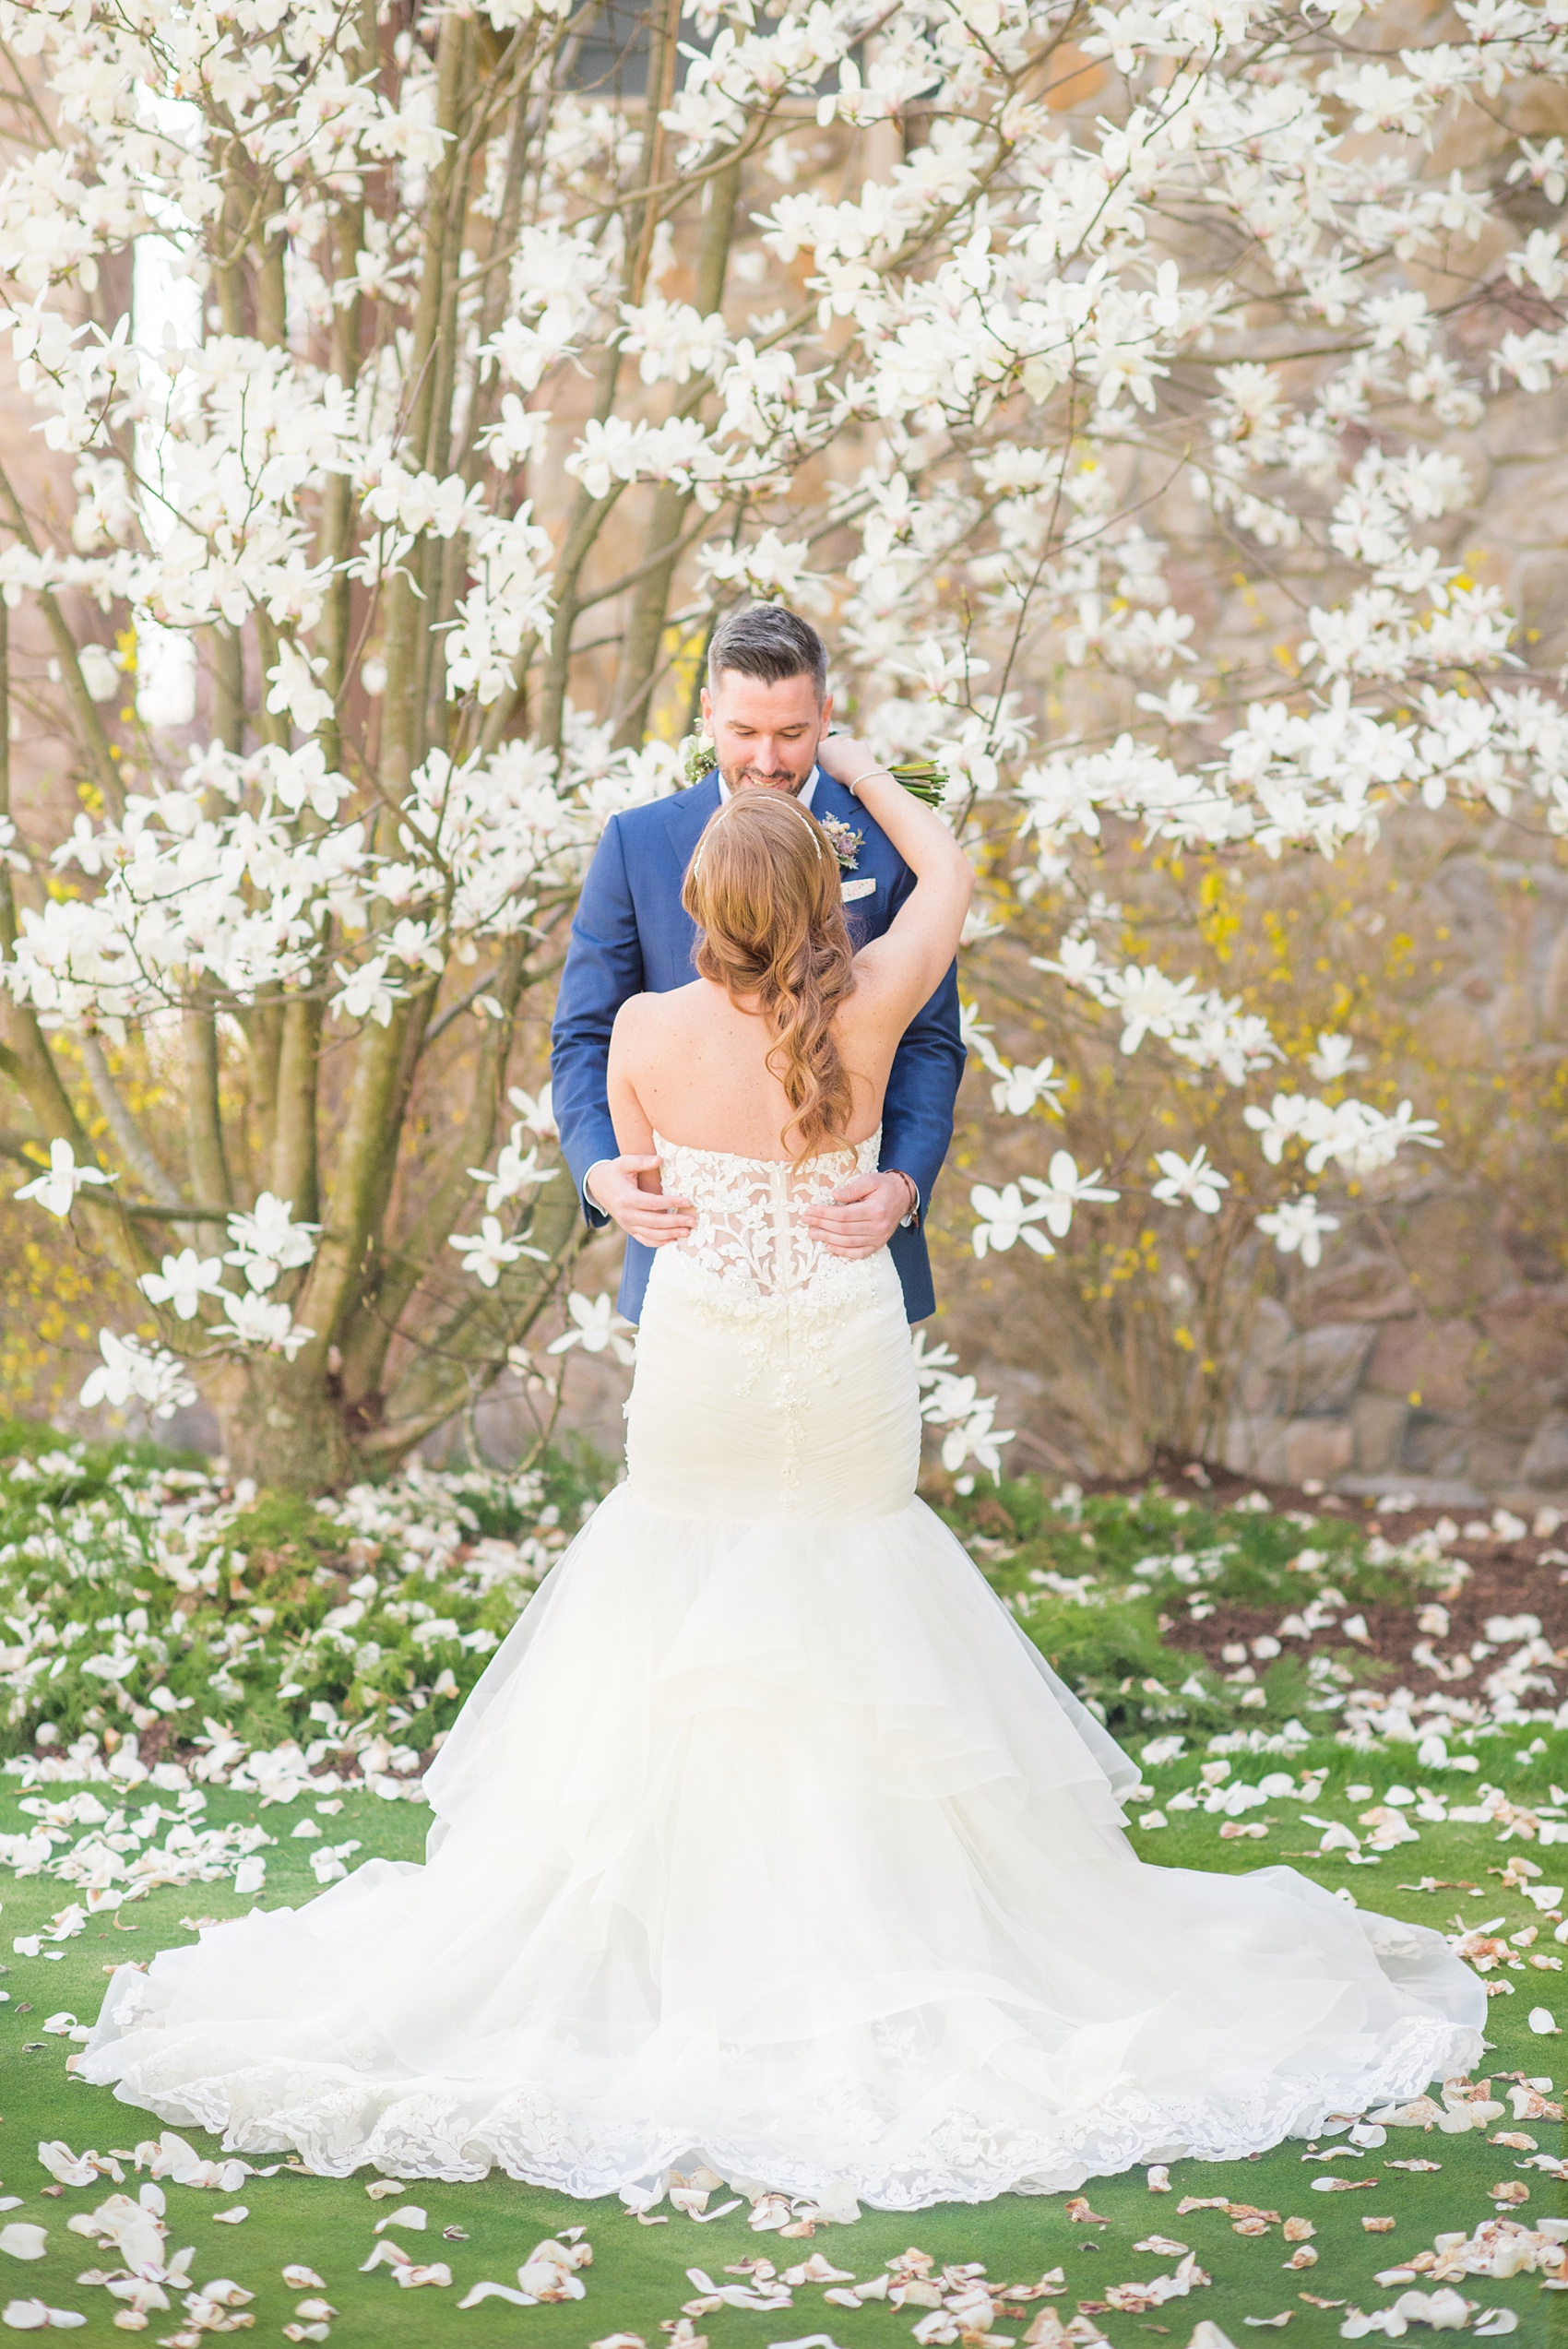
923 776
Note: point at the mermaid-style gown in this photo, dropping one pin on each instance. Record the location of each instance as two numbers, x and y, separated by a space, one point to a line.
769 1839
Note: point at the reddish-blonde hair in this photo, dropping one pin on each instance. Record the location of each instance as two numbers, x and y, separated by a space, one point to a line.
763 888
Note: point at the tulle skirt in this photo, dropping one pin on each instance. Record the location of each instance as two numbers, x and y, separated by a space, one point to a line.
771 1842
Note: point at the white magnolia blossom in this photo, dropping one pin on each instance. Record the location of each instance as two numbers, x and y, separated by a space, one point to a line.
535 1111
56 1190
1018 1090
1064 1188
517 1170
269 1241
594 1325
131 1372
264 1322
967 1419
1350 1133
1297 1224
1004 1216
1336 1057
488 1251
182 1281
1191 1179
979 396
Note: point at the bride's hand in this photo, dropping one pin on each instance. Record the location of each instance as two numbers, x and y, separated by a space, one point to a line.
845 758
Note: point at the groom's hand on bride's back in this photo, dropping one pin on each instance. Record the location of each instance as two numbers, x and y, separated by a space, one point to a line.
863 1215
646 1215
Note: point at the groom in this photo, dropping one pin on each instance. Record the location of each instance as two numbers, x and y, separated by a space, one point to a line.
768 707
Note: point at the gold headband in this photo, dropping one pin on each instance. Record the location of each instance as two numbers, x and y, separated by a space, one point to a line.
730 802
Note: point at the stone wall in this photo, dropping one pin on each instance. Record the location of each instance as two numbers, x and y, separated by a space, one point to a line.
1451 1382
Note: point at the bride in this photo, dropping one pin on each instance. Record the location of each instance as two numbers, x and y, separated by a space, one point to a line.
769 1839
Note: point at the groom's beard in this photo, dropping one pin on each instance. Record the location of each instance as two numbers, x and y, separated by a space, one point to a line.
750 778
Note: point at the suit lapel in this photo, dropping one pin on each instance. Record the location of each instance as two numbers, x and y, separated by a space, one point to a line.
686 814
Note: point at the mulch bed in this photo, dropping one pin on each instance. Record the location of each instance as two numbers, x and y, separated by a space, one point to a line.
1506 1578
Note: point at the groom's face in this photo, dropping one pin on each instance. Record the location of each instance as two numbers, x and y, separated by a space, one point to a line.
765 735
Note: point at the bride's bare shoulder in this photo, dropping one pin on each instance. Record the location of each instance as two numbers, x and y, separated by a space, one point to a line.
643 1020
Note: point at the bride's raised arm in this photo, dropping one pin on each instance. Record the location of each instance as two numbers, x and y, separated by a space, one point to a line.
906 963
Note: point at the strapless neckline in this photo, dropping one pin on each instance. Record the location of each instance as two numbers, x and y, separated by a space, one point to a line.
853 1150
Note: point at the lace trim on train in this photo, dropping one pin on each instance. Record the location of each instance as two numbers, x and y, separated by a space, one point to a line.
457 2131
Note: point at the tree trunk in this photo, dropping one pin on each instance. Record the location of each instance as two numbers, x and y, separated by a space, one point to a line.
286 1431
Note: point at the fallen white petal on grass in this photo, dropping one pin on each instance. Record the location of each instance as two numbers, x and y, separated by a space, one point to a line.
1444 2311
548 2274
301 2279
1134 2299
76 2169
410 2216
172 2156
22 2240
234 2217
224 2293
35 2316
1543 2023
405 2270
816 2270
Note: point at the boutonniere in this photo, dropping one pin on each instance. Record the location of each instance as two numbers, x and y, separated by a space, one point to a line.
846 843
698 758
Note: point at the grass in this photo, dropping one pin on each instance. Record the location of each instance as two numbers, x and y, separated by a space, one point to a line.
212 1601
638 2279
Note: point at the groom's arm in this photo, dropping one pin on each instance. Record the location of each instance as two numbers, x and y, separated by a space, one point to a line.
603 968
923 1086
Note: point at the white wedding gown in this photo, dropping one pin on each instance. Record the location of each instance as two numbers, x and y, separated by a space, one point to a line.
769 1839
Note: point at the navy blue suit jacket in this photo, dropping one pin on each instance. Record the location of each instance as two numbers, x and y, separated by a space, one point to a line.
632 936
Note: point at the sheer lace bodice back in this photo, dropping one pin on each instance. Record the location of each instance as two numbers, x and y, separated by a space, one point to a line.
774 1379
749 1231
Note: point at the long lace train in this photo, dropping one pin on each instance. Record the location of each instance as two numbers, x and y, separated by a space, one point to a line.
769 1840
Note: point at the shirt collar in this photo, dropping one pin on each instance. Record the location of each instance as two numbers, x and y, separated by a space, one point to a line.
803 797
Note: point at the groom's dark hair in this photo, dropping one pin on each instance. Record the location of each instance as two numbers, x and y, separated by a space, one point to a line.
766 640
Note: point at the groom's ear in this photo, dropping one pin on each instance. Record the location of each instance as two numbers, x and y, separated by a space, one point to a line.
827 713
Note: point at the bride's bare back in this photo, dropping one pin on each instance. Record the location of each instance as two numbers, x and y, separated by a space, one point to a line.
692 1065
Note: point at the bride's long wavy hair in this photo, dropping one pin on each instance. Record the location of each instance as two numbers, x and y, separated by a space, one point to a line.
763 888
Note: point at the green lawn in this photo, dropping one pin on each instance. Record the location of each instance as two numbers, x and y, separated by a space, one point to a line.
638 2279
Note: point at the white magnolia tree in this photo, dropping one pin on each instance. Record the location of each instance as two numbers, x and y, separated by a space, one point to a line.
488 364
